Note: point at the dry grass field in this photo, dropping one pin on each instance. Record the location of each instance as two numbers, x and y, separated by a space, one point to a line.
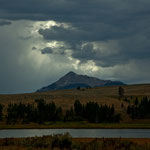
64 142
102 95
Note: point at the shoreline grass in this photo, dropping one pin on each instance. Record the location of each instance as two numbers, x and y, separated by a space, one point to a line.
77 125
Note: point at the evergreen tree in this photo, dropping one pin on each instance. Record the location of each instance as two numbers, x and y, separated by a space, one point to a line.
128 109
136 101
78 108
45 112
121 92
1 112
140 110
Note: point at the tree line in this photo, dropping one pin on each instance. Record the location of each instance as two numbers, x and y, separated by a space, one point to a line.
140 110
41 112
92 112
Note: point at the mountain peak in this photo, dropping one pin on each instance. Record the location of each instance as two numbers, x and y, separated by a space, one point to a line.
73 80
71 73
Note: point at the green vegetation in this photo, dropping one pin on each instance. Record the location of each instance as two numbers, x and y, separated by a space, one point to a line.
62 142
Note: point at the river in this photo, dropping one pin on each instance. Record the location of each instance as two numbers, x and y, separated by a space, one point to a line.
88 133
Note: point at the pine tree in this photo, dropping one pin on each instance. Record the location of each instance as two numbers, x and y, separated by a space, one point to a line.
78 108
121 92
1 112
136 101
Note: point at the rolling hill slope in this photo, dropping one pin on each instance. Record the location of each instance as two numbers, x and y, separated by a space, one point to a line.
66 98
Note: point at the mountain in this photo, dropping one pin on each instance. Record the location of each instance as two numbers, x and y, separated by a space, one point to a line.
72 80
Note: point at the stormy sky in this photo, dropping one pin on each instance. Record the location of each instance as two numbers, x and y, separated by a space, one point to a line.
41 40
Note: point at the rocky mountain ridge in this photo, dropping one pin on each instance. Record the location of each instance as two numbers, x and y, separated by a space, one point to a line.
72 80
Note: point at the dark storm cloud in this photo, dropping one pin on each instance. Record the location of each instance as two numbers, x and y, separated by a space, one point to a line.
127 22
72 11
86 53
133 42
131 34
34 48
85 32
4 22
47 50
56 50
120 27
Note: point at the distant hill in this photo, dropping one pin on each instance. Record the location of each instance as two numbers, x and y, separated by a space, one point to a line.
72 80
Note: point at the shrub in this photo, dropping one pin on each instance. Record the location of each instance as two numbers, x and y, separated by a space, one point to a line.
61 141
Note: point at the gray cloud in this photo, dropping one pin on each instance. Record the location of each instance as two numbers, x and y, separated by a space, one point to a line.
134 46
23 69
86 53
4 22
24 37
47 50
55 51
72 11
86 32
133 41
34 48
114 35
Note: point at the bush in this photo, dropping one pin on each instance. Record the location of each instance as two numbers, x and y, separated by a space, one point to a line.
61 141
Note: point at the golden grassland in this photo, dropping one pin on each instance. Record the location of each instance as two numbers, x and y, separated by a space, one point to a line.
66 99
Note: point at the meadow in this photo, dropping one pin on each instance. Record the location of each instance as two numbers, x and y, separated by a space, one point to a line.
66 99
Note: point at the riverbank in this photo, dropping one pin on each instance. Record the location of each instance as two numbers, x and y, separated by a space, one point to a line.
76 125
57 142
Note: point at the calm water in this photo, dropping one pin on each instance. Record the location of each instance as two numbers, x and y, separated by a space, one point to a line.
125 133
